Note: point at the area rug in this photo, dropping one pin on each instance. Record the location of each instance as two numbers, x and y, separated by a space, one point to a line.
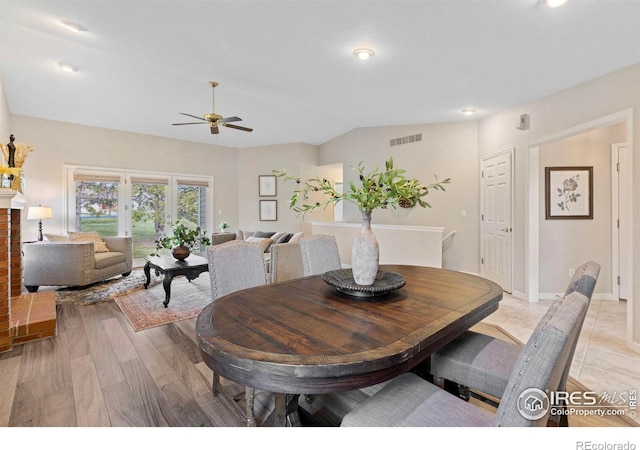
106 290
144 308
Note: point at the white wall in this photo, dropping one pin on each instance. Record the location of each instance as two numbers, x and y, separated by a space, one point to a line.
578 105
58 143
446 150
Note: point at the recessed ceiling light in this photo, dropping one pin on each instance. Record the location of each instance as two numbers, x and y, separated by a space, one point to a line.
555 3
363 53
73 26
468 111
67 67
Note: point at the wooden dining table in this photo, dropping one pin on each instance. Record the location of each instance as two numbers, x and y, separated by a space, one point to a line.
305 337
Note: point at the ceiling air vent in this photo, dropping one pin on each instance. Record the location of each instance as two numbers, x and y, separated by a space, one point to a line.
405 140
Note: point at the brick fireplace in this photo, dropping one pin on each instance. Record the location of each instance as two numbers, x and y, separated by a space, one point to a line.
23 317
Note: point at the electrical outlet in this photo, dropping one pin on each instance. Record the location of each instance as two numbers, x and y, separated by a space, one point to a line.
571 272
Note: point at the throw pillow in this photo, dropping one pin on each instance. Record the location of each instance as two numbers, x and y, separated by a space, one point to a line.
264 234
240 235
265 243
90 236
286 237
57 237
296 237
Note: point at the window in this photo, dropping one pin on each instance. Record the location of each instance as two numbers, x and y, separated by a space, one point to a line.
143 205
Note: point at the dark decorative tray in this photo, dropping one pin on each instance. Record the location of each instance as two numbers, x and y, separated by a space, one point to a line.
343 281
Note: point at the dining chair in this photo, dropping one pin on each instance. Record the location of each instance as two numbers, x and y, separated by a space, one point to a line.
319 254
410 400
478 362
286 262
233 266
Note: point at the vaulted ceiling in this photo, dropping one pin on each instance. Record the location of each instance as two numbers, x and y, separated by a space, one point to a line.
288 69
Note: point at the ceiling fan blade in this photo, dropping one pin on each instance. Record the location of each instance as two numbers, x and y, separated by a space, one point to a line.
230 119
237 127
190 123
214 129
195 117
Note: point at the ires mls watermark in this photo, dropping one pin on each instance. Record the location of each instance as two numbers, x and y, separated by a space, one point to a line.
533 403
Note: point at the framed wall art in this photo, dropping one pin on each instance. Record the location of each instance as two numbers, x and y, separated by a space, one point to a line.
569 192
267 185
268 210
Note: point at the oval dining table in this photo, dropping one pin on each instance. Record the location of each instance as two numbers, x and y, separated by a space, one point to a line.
303 336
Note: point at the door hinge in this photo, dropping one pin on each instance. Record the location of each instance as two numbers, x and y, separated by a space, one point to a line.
482 261
482 173
618 221
618 280
482 217
618 167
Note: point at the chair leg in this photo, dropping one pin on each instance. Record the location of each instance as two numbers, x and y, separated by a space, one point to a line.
215 384
249 418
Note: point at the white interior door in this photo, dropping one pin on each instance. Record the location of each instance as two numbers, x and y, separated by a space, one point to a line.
621 251
496 218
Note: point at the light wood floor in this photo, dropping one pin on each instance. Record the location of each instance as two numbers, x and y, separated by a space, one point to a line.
98 372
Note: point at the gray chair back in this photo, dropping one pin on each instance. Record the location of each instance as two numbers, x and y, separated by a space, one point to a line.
286 262
235 265
542 361
319 254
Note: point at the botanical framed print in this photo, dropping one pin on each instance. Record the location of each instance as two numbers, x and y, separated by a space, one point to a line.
268 210
267 185
569 192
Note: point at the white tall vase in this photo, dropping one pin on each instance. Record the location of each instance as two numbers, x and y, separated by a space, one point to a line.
365 253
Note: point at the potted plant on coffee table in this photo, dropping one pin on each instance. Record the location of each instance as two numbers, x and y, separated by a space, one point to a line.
186 237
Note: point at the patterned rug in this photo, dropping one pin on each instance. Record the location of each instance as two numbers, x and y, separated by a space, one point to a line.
103 291
144 308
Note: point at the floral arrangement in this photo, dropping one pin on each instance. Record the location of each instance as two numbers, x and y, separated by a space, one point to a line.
223 225
186 233
15 173
22 151
378 189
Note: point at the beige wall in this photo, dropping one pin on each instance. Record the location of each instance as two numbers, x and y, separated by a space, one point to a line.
262 161
571 108
587 149
58 143
446 150
5 117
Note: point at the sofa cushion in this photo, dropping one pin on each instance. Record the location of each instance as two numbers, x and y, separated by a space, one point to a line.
296 237
264 234
90 236
264 242
57 237
108 259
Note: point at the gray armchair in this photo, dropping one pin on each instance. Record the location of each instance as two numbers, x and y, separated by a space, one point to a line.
411 401
74 263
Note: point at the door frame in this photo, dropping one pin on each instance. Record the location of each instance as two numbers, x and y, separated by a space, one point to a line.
532 257
511 152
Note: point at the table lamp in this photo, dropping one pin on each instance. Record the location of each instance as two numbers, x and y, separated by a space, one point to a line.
39 212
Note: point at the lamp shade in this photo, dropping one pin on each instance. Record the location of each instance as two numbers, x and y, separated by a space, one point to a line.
39 212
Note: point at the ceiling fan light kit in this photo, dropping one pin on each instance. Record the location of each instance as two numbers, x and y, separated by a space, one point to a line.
213 119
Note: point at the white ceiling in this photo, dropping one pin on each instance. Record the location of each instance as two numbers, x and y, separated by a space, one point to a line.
287 68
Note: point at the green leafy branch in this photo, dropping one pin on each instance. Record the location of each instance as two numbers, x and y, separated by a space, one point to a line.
378 189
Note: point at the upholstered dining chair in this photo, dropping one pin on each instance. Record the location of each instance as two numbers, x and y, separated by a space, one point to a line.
319 254
483 363
233 266
409 400
286 262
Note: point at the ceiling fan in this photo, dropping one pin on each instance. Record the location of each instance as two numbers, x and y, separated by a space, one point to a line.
213 119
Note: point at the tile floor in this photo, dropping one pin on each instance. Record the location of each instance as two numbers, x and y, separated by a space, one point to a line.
602 361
